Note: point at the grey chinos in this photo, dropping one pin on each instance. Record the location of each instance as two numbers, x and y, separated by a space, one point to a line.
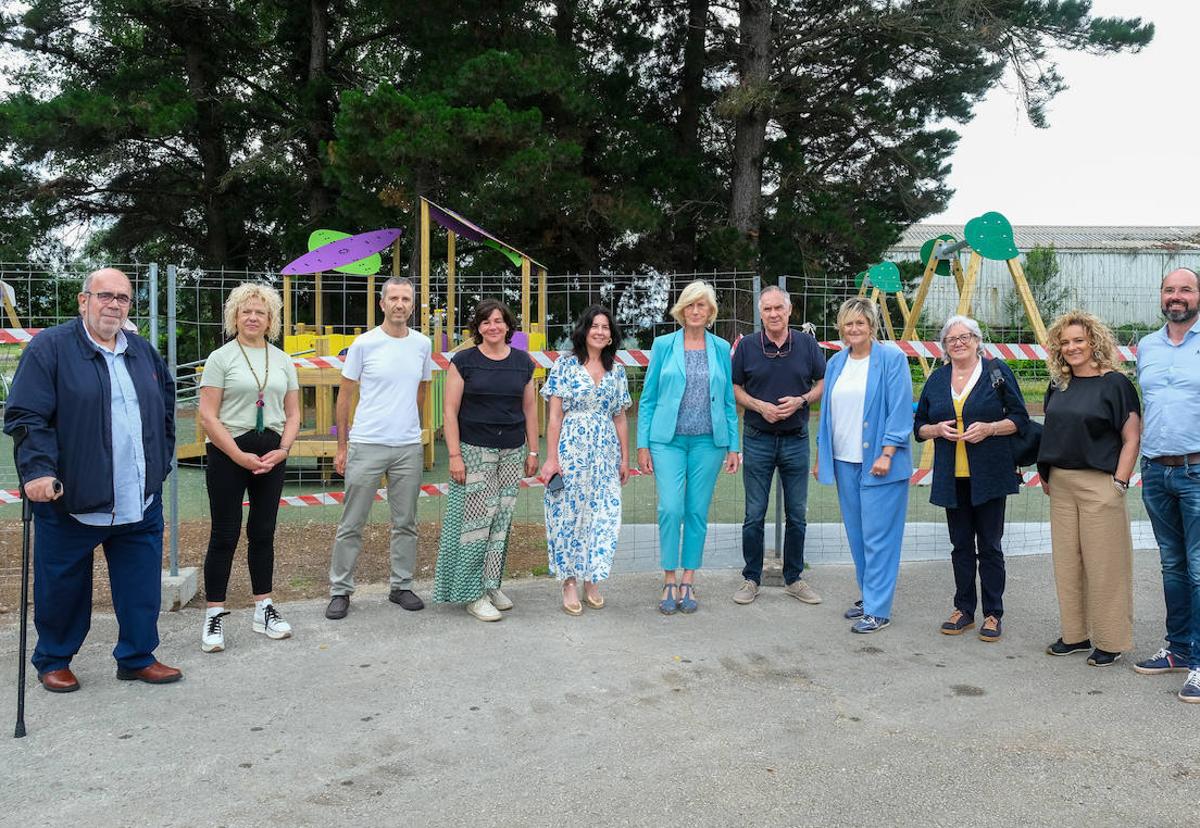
366 463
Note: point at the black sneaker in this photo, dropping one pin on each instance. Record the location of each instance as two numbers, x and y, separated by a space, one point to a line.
339 605
1058 648
407 599
1102 658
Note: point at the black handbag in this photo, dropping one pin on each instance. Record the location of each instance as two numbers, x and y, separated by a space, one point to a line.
1027 441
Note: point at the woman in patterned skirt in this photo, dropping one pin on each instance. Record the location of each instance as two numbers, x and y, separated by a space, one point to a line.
587 445
491 431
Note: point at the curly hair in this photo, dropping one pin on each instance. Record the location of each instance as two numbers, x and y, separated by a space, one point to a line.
246 292
580 333
1104 346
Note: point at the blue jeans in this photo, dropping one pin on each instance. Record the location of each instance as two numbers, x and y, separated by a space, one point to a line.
1172 498
62 585
762 454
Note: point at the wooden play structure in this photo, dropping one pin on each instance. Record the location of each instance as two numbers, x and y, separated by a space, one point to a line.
359 255
989 236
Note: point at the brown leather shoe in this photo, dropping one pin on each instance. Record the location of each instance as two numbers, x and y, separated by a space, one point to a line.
59 681
156 673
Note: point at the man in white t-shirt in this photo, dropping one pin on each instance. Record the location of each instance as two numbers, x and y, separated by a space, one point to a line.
390 367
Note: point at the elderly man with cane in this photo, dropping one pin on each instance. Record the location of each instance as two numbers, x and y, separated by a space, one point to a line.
96 408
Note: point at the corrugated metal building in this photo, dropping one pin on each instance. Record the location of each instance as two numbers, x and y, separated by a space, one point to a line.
1113 272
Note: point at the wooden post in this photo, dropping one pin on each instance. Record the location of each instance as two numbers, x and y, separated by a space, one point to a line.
542 302
525 320
451 287
969 282
1031 310
425 230
910 325
287 306
371 301
319 323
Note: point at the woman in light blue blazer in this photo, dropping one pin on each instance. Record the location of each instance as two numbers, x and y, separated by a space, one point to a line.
687 428
863 446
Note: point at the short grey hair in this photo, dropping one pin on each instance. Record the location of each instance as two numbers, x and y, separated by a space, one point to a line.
787 298
396 280
967 322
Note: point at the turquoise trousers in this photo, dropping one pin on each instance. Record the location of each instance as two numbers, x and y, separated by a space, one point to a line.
685 473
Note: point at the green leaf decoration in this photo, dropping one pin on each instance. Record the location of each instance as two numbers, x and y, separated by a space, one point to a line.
515 258
943 265
991 236
858 278
885 276
363 267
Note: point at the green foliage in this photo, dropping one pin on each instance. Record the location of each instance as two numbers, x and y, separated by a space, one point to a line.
594 134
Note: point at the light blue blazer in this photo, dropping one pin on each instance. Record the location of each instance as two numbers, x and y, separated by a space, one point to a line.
662 391
887 414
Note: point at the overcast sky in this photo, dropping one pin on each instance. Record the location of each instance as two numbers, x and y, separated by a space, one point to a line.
1123 143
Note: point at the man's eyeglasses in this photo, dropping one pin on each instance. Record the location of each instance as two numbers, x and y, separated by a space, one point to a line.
778 352
106 298
961 339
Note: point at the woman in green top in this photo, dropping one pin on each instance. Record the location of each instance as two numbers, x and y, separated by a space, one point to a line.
250 410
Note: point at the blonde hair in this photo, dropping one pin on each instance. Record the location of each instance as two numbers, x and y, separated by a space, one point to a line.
694 292
244 293
859 306
1104 346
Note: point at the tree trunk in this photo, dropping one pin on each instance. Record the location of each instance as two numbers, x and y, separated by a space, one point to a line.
691 104
565 13
319 127
752 110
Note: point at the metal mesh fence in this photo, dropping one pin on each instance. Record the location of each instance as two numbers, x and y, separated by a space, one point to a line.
43 296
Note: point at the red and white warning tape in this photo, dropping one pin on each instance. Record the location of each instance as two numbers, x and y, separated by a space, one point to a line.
1006 351
15 336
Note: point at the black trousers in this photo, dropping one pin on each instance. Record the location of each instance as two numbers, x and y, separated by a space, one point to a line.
228 483
975 533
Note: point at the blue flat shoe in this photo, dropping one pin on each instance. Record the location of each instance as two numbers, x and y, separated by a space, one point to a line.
687 599
669 604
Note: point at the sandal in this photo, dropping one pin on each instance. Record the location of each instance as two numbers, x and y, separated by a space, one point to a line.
669 603
687 599
572 609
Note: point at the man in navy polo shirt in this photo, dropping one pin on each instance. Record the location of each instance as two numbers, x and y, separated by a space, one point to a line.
777 375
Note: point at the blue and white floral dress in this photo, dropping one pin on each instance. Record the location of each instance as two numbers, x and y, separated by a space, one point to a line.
583 519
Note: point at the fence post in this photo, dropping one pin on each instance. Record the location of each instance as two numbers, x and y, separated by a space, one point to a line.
171 363
153 275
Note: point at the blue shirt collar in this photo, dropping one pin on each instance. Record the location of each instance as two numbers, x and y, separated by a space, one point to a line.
121 346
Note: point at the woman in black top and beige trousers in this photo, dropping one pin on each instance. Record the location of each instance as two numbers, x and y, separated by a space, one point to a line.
1088 451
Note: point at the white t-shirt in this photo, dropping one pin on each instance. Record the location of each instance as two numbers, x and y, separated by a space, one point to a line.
848 397
388 370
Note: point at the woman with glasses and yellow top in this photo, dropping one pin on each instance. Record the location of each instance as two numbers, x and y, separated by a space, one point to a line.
250 410
970 418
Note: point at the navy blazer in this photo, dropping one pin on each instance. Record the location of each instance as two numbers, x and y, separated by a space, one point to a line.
61 393
662 391
887 412
993 470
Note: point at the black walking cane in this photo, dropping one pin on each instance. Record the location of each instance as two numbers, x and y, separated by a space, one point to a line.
26 517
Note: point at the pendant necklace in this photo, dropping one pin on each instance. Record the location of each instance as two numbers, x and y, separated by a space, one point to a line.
259 405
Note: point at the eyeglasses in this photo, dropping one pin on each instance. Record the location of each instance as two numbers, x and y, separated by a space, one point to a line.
106 298
961 339
778 352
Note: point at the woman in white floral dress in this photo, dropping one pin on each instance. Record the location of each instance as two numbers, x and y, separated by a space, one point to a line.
587 444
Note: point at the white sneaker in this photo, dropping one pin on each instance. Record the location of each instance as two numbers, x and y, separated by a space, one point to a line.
212 637
483 610
270 623
499 600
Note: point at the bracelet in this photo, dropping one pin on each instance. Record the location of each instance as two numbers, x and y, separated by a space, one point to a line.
286 449
1123 485
453 456
533 454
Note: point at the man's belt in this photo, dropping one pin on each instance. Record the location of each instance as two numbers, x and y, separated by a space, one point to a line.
1177 460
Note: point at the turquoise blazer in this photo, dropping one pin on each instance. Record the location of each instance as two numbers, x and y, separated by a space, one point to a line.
887 415
662 391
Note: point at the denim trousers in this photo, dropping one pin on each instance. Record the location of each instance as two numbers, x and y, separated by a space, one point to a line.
763 454
1172 498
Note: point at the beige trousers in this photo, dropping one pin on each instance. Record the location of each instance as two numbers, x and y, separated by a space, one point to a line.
1092 551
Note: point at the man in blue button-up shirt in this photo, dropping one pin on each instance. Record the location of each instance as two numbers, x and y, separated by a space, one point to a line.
1169 374
94 407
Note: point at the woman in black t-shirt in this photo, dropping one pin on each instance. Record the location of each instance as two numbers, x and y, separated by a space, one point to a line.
1089 447
491 431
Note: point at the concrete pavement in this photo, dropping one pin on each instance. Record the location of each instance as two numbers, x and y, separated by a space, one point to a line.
769 714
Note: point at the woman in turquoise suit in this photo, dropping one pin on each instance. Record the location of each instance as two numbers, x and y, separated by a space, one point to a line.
863 446
687 429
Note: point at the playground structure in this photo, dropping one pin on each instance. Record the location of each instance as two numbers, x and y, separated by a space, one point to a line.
318 348
989 236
